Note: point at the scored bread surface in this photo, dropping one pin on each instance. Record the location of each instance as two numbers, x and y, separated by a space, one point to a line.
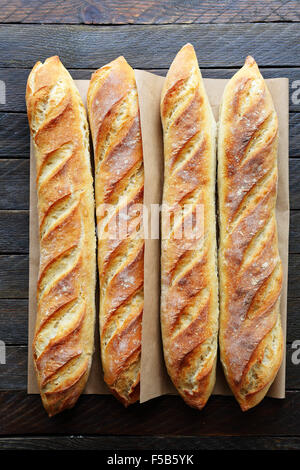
64 333
251 339
119 187
189 284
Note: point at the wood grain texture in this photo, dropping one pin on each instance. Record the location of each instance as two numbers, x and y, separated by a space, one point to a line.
23 414
216 45
293 324
14 135
14 184
294 134
13 321
14 276
14 372
14 231
147 12
294 176
294 236
150 442
294 276
15 80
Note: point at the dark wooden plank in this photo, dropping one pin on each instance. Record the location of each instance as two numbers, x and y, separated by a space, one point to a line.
13 276
294 175
13 321
147 12
14 373
15 85
292 369
14 184
15 81
14 135
294 276
217 45
14 227
118 443
293 323
294 134
294 245
23 414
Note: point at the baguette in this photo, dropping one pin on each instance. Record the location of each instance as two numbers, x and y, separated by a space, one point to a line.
119 187
251 339
64 333
189 284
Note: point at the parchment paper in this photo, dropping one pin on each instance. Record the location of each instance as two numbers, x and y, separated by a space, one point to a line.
154 378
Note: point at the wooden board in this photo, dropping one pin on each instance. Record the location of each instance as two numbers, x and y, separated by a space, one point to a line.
166 415
154 46
149 34
147 12
151 442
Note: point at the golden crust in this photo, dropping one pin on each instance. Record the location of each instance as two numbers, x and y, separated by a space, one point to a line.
119 185
251 341
189 285
64 335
